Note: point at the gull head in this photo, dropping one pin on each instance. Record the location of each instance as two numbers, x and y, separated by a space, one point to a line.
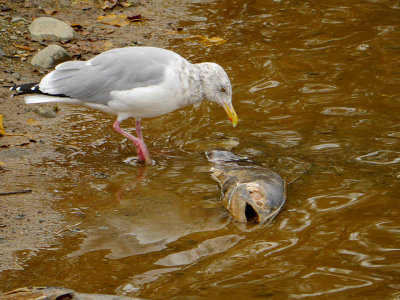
217 88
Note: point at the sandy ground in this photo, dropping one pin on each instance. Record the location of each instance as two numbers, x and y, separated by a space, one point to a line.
28 221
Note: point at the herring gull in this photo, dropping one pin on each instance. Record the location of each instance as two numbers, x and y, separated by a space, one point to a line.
138 82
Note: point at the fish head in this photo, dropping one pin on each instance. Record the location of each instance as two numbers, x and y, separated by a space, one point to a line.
254 201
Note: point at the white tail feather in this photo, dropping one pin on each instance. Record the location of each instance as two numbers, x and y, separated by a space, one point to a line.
33 99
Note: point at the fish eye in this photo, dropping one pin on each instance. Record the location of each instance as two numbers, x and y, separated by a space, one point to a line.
223 89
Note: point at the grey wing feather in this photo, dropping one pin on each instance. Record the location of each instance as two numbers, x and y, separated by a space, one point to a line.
118 69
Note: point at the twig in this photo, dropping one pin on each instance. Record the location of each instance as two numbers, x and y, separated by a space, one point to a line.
15 192
68 228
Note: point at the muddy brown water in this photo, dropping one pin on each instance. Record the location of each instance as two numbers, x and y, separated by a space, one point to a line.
316 88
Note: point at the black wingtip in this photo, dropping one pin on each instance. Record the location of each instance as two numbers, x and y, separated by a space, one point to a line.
26 88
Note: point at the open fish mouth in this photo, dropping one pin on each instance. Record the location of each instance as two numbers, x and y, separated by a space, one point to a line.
251 202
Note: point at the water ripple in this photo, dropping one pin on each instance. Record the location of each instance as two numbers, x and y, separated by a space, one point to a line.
317 88
262 85
343 111
206 248
283 138
380 157
339 279
333 202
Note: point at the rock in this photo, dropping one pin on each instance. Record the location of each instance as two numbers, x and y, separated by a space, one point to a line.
46 27
45 113
50 56
2 53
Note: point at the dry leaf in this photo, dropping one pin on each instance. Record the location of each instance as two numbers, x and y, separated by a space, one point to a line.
23 47
33 122
76 26
49 11
217 40
115 20
107 4
206 41
136 18
2 130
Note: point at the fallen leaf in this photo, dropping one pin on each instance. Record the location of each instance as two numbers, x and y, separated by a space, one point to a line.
23 47
33 122
49 11
2 130
217 40
107 4
126 4
136 18
76 26
115 20
22 55
206 41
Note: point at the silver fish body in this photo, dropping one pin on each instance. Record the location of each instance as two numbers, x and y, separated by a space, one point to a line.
249 192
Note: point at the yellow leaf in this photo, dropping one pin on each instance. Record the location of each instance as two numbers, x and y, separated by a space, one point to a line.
115 20
33 122
206 41
217 40
2 130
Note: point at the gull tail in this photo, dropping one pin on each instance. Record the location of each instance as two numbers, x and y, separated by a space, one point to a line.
38 96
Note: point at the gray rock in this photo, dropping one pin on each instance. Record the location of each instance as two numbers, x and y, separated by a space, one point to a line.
46 27
45 113
2 53
50 56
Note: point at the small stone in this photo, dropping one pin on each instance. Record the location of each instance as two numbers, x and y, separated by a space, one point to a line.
50 56
363 47
101 175
46 27
2 53
45 113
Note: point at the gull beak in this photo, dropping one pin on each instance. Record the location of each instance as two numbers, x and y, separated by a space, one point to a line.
230 111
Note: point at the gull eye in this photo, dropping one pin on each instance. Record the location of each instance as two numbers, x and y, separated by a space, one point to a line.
223 89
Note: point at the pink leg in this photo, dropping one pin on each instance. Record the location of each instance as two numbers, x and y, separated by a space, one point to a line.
140 136
139 130
143 153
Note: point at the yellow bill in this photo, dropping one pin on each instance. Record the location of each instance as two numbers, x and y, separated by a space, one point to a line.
230 111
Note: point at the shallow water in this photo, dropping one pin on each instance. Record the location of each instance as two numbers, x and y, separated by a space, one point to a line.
316 88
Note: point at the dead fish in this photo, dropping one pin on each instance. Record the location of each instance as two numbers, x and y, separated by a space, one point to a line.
248 191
